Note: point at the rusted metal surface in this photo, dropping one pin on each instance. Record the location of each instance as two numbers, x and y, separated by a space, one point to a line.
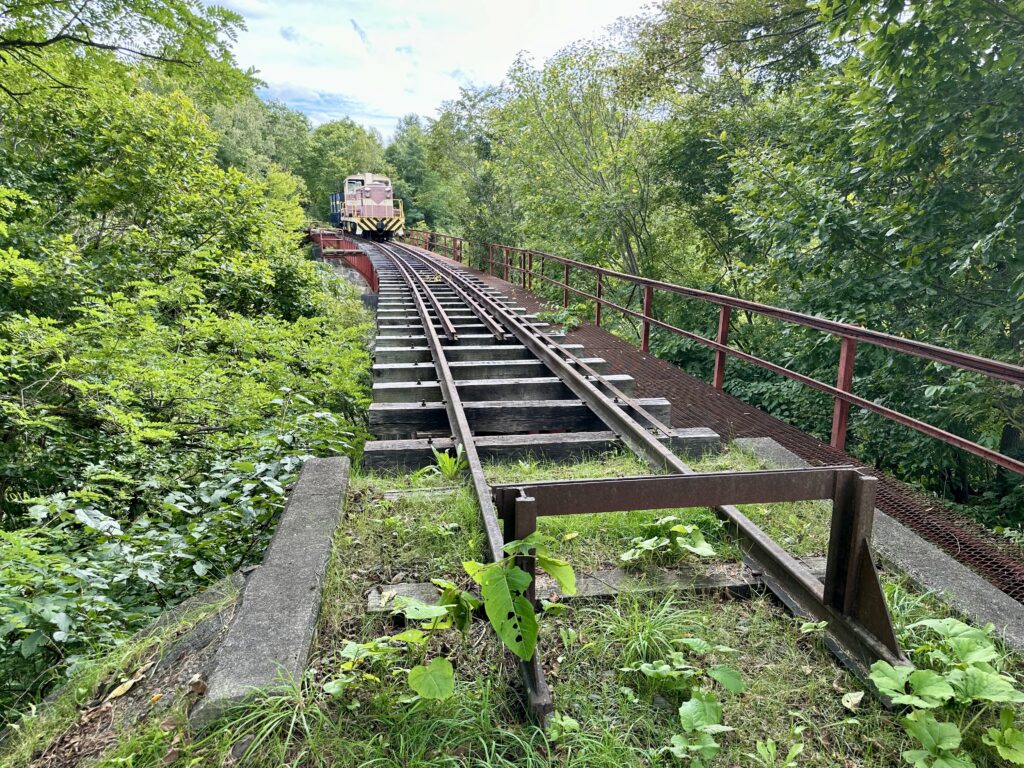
695 403
841 413
859 627
844 398
724 318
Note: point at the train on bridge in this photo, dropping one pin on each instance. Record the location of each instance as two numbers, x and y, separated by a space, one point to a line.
366 206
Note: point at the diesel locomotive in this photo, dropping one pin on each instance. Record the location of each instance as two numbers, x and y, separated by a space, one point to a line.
367 206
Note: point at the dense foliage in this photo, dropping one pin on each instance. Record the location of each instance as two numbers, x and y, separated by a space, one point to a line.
859 161
169 353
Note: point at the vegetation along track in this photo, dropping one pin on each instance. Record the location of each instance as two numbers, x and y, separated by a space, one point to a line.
459 369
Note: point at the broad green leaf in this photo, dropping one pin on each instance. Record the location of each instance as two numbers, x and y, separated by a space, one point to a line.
436 680
728 677
32 642
933 735
891 681
695 644
970 650
1009 743
975 683
414 636
510 613
952 628
929 687
417 610
560 571
702 709
657 669
472 567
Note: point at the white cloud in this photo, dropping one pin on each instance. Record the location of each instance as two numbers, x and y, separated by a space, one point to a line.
375 62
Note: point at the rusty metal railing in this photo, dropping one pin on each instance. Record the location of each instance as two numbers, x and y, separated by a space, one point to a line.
335 244
517 265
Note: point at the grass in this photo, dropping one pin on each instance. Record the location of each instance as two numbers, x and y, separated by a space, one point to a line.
38 729
422 528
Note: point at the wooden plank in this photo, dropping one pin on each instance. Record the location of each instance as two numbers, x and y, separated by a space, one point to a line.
472 369
406 307
417 329
537 388
394 420
458 353
469 339
560 446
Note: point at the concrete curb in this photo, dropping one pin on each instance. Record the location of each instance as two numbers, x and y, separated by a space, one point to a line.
927 566
268 643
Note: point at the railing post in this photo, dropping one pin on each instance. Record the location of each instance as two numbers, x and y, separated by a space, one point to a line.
519 518
530 273
505 255
841 412
565 286
522 267
648 307
724 316
597 306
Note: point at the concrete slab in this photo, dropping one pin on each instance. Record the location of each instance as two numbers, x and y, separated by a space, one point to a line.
270 638
927 566
734 578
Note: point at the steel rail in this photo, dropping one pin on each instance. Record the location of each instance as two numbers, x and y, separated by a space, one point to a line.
482 314
538 693
446 323
617 394
789 579
453 405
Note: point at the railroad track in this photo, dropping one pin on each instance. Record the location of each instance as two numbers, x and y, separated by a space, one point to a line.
459 367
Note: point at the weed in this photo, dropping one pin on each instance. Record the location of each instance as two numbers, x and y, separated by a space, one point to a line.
640 629
277 726
666 539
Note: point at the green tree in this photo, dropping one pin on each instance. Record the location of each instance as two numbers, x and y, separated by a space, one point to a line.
338 149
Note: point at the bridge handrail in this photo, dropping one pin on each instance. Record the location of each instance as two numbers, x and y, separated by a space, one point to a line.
848 334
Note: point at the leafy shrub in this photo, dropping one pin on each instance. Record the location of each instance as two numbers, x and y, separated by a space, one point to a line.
170 359
960 678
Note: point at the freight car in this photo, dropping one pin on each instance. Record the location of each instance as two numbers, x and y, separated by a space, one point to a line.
366 206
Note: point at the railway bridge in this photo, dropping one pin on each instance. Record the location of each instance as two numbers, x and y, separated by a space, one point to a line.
463 365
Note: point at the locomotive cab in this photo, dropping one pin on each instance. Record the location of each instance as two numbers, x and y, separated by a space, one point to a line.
366 206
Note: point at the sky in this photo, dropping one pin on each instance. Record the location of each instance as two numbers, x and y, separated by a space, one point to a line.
376 61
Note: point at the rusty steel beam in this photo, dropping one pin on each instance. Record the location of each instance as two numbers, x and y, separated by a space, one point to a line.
859 630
